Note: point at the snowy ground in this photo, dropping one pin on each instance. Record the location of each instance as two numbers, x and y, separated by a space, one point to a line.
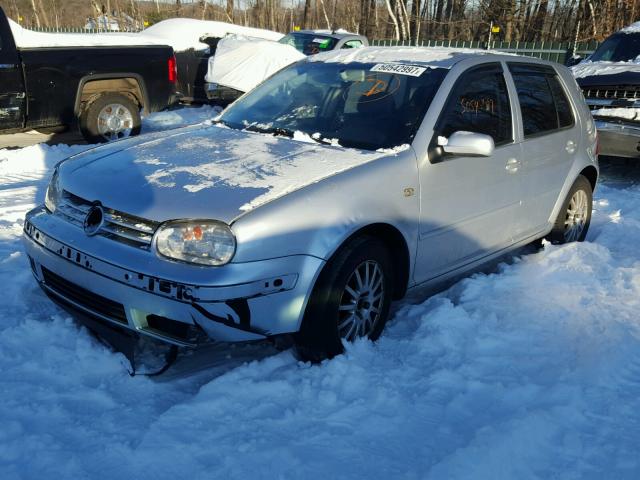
532 371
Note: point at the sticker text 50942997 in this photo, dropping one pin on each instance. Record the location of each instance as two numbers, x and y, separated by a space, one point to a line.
399 69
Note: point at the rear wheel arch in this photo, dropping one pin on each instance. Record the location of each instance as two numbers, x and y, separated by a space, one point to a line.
591 174
129 84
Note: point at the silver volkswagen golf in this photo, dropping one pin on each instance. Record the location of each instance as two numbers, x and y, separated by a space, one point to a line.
318 198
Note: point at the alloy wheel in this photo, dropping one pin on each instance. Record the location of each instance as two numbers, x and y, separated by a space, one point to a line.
361 302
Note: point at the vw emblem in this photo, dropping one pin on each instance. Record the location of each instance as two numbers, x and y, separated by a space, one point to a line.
94 220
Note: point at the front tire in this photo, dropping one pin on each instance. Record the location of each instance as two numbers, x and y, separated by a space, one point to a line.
574 217
351 300
109 117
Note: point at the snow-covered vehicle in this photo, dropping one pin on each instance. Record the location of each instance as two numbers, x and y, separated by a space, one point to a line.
97 82
320 196
195 41
610 82
242 62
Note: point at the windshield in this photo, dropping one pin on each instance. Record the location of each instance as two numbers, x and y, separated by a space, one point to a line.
308 43
352 104
621 47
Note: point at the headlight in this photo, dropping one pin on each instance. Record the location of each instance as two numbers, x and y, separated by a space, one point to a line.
204 242
54 193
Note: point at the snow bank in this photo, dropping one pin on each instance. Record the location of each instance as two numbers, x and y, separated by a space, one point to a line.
242 63
185 33
532 371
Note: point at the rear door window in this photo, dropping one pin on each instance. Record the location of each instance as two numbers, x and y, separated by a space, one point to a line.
479 103
543 102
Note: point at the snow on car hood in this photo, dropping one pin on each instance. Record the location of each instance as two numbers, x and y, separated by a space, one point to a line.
588 69
206 171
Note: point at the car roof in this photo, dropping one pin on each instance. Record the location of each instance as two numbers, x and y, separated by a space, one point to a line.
337 34
435 57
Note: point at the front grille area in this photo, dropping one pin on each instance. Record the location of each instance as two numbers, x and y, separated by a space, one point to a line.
117 226
611 96
84 298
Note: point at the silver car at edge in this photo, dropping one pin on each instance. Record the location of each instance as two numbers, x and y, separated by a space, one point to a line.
306 207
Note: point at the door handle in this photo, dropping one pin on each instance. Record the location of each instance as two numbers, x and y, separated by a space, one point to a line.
512 165
571 146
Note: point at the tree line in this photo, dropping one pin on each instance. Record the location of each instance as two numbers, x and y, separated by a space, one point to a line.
404 20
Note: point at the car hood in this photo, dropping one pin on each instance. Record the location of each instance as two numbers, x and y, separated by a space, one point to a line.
594 74
202 172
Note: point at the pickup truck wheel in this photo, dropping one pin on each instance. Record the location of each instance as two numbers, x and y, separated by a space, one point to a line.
574 218
109 117
351 300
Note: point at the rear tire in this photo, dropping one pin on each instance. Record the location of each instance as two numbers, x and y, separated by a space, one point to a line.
351 299
574 217
111 116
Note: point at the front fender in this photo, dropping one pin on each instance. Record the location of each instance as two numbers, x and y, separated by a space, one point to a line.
317 219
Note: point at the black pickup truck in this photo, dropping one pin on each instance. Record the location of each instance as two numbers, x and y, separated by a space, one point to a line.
100 89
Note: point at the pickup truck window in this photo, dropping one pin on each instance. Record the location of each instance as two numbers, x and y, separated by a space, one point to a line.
479 103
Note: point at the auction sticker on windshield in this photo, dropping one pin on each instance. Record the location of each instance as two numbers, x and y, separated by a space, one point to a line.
400 69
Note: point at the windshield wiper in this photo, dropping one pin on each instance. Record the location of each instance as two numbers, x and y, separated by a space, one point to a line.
276 131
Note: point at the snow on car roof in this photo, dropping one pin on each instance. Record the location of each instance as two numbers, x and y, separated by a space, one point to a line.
339 33
25 38
633 28
185 33
179 33
430 56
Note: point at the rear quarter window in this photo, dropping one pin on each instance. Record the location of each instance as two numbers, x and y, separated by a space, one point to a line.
543 101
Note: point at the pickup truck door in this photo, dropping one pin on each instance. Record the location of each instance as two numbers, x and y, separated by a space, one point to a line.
12 91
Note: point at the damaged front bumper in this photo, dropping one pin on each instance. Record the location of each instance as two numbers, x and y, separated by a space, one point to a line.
170 301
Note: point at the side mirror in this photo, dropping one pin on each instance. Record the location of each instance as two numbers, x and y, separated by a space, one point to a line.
573 60
467 144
